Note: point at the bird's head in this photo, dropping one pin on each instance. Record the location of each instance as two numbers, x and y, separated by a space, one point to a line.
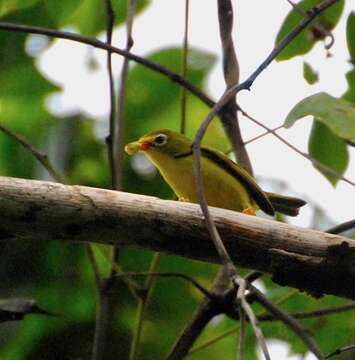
164 141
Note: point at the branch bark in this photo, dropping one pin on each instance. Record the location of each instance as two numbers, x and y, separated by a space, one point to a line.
317 262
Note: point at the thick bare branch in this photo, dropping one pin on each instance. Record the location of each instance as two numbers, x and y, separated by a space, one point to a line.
229 116
307 259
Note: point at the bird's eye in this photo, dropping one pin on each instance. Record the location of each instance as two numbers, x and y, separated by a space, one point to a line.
160 140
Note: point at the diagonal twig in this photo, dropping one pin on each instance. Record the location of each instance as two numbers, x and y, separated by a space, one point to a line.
39 155
317 26
341 350
294 148
345 226
185 51
291 322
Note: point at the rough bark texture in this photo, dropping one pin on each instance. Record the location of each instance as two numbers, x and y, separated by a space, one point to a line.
310 260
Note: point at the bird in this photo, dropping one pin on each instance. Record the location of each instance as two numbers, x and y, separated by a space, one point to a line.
226 184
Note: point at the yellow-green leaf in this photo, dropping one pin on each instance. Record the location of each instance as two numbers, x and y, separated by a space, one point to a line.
309 74
328 149
350 36
337 114
305 41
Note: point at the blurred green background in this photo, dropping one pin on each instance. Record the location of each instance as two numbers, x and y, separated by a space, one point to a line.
58 275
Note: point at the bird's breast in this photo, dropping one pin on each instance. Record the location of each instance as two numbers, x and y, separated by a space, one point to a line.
221 189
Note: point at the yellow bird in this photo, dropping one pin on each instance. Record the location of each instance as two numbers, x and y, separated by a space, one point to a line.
227 185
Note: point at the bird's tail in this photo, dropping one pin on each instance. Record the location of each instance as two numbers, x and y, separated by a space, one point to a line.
285 204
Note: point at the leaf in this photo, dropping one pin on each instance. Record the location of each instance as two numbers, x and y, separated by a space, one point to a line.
16 308
350 36
90 17
9 6
350 93
310 75
305 41
329 149
60 11
149 93
338 115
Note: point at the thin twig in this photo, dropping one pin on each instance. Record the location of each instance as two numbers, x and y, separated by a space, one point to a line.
201 317
94 265
185 50
314 313
291 322
143 304
252 319
151 274
345 226
110 18
233 330
39 155
341 350
118 137
257 137
294 148
102 45
317 26
242 334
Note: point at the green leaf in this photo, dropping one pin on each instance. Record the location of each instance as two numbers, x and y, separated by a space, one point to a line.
310 75
338 115
9 6
90 17
350 93
350 36
329 149
150 94
60 11
305 41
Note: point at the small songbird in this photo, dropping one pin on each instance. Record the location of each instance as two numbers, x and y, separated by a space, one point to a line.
226 184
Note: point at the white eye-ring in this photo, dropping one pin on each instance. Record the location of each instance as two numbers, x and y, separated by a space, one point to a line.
160 140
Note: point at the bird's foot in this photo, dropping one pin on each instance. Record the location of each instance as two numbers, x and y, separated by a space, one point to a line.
184 199
249 211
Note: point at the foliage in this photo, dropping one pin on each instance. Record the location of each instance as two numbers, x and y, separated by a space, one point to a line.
59 276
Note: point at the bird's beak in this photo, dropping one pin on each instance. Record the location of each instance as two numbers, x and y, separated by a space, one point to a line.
142 144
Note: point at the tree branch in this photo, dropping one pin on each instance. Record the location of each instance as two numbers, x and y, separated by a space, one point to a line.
231 72
310 260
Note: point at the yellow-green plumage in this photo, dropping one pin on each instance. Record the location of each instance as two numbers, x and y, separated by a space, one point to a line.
226 184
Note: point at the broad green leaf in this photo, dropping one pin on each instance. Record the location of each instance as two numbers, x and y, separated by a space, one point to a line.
350 36
338 115
22 95
310 75
149 93
9 6
350 93
329 149
91 18
305 41
59 11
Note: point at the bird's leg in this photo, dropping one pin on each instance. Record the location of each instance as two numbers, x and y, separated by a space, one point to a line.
249 211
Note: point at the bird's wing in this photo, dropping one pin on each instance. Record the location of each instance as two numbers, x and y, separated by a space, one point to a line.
254 190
